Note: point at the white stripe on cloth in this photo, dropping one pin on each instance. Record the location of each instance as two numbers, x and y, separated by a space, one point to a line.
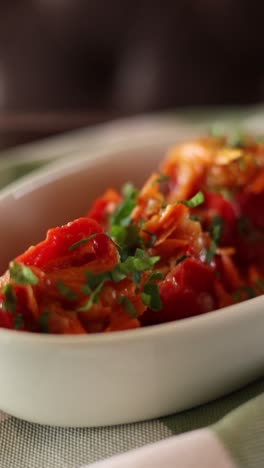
196 449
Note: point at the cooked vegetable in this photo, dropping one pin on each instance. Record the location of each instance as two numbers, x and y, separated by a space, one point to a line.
190 241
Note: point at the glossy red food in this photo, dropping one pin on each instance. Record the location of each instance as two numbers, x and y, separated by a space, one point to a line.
189 242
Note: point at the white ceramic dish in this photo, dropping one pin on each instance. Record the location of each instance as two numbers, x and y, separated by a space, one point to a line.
123 376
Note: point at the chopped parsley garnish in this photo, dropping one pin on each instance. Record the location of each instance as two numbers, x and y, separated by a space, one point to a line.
129 190
152 238
196 200
128 306
133 265
150 295
83 241
181 258
140 262
155 275
65 291
118 273
160 179
216 228
248 290
94 279
18 322
215 231
43 321
21 274
121 230
136 277
10 300
93 299
92 287
126 238
121 215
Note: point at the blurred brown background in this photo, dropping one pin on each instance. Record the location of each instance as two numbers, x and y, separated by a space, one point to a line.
68 63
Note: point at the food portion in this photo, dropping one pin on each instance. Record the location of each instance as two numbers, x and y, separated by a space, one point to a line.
190 241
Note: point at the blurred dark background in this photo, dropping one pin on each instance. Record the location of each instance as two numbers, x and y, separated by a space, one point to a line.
69 63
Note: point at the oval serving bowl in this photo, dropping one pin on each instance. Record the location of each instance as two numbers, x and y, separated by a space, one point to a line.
119 377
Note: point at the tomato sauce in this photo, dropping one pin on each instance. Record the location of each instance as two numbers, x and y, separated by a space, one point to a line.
190 241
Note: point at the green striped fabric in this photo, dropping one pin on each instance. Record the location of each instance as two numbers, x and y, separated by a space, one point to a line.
242 432
27 445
